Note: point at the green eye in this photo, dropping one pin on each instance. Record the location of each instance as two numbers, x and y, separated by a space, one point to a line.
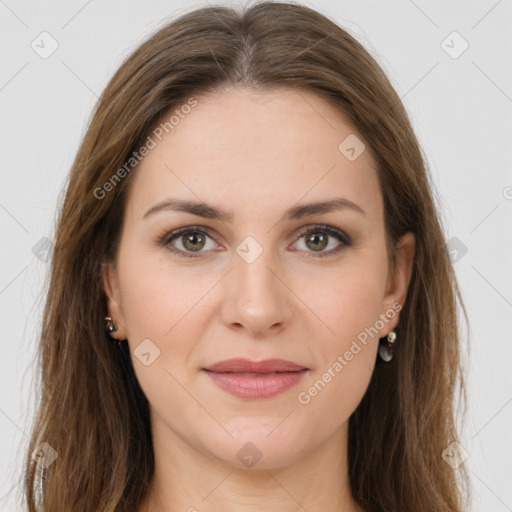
194 239
318 237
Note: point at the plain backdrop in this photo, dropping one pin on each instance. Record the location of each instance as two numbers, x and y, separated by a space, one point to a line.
449 61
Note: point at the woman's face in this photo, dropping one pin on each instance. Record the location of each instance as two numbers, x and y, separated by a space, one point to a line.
249 283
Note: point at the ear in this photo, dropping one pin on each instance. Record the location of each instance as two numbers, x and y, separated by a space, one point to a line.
398 283
110 285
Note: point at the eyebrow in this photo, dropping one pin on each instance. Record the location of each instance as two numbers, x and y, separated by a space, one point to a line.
207 211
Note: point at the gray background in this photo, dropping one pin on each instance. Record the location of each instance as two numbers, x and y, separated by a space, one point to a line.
461 109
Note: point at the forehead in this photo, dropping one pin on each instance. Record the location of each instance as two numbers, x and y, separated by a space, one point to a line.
270 150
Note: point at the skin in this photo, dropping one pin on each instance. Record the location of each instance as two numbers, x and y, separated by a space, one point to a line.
256 154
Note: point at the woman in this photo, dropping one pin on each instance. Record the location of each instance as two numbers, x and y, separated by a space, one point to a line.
251 302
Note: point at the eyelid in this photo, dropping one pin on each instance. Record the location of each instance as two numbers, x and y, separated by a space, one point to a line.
330 230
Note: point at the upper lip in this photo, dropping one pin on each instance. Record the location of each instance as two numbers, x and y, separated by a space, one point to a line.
247 366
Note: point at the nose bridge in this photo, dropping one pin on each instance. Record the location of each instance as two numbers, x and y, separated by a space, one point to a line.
253 274
257 296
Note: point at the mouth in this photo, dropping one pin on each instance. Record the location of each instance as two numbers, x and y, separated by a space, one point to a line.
255 379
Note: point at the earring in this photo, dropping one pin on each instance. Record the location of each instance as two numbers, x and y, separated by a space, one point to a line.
112 327
386 349
111 324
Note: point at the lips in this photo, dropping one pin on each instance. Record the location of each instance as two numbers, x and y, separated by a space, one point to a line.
241 365
255 379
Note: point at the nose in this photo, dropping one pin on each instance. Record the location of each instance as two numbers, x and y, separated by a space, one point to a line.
257 297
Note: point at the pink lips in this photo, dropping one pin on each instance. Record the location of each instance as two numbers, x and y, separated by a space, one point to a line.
255 379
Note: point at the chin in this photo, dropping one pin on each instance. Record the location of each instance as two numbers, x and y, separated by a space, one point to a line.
258 448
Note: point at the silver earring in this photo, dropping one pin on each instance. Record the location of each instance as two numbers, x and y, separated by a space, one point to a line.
111 325
386 349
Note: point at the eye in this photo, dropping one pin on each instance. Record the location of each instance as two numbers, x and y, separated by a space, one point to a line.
192 240
317 237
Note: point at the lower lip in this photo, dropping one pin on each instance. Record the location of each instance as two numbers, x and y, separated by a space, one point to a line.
250 385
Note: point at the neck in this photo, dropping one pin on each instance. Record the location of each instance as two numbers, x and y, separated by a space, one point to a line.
188 480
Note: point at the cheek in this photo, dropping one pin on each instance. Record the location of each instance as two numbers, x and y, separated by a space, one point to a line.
347 348
157 305
155 295
347 355
349 299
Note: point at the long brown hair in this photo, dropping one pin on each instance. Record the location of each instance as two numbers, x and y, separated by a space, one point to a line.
91 410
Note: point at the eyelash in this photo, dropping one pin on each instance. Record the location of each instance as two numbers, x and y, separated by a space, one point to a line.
166 240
